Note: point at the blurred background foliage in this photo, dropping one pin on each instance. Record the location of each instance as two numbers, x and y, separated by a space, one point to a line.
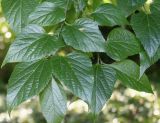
125 106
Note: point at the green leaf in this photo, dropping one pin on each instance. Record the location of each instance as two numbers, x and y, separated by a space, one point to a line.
129 6
147 30
26 81
109 15
32 45
155 7
121 43
128 74
75 71
104 80
146 62
61 3
96 3
47 14
32 28
17 12
80 5
84 35
53 103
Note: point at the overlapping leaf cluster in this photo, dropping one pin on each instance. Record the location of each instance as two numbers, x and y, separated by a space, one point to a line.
44 28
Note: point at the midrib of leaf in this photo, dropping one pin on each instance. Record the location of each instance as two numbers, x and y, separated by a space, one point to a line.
73 72
148 25
57 99
94 96
96 88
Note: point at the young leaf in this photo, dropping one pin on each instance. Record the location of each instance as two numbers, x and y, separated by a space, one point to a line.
128 74
26 81
109 15
129 6
146 62
75 71
147 30
47 14
53 102
121 43
31 45
84 35
17 12
104 80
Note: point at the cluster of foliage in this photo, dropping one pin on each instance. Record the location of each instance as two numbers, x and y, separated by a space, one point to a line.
45 28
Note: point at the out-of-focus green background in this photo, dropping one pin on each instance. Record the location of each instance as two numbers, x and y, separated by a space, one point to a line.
125 106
